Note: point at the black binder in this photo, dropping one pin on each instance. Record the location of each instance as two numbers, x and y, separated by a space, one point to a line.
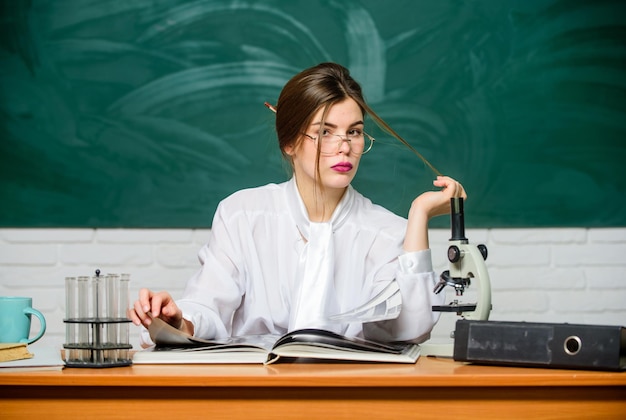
569 346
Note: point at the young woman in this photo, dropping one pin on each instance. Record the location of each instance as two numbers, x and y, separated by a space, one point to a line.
286 256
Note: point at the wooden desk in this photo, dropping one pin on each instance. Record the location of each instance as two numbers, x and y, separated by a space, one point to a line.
433 388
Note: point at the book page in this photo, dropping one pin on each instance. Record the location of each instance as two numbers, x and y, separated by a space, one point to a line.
163 334
44 358
166 336
328 339
386 305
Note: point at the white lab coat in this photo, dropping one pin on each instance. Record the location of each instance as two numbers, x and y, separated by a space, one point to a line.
253 262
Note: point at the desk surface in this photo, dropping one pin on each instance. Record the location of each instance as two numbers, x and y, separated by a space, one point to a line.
430 387
427 372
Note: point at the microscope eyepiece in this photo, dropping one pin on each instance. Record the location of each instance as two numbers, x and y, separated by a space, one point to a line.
457 219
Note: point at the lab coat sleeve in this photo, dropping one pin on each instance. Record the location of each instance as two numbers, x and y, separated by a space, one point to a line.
196 305
213 294
416 280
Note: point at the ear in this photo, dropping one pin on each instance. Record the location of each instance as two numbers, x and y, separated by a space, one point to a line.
292 149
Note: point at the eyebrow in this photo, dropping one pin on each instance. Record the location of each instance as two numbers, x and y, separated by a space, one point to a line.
331 125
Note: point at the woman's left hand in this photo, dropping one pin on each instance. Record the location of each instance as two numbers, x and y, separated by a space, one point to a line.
437 203
428 205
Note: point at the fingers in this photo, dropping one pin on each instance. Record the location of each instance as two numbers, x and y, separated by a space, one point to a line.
141 308
145 297
137 315
156 304
148 306
450 187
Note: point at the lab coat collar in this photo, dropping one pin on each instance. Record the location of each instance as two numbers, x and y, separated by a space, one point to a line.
300 215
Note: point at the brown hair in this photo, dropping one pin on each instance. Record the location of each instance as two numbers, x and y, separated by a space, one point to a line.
320 86
308 91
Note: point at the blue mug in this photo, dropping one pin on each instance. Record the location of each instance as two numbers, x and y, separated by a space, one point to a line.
15 314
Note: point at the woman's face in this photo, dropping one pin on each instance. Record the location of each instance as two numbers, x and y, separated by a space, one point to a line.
337 169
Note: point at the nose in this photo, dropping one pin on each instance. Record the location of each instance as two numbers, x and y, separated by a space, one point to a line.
344 144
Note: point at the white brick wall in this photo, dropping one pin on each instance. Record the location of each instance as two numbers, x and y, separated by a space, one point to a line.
544 275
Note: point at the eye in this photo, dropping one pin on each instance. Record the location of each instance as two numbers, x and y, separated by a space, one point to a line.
327 133
355 132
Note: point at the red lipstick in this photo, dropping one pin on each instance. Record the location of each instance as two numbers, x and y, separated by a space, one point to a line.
342 167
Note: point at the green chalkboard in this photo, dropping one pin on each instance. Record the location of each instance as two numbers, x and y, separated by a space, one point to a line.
146 113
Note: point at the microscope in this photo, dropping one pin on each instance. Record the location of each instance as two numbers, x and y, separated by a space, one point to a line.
467 267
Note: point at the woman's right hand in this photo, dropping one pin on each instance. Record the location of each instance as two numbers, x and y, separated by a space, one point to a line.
156 305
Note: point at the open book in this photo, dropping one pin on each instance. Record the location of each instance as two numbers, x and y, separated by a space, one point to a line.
175 347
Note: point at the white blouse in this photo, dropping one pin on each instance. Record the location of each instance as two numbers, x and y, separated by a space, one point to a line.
266 268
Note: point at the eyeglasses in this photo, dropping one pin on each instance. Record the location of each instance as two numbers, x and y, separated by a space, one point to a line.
360 142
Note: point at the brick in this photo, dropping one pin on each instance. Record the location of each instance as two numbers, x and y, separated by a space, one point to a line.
441 237
34 276
53 236
537 278
519 255
477 236
109 254
592 254
438 237
538 236
545 317
145 236
589 301
617 318
28 254
177 256
612 235
606 278
158 278
201 236
521 301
